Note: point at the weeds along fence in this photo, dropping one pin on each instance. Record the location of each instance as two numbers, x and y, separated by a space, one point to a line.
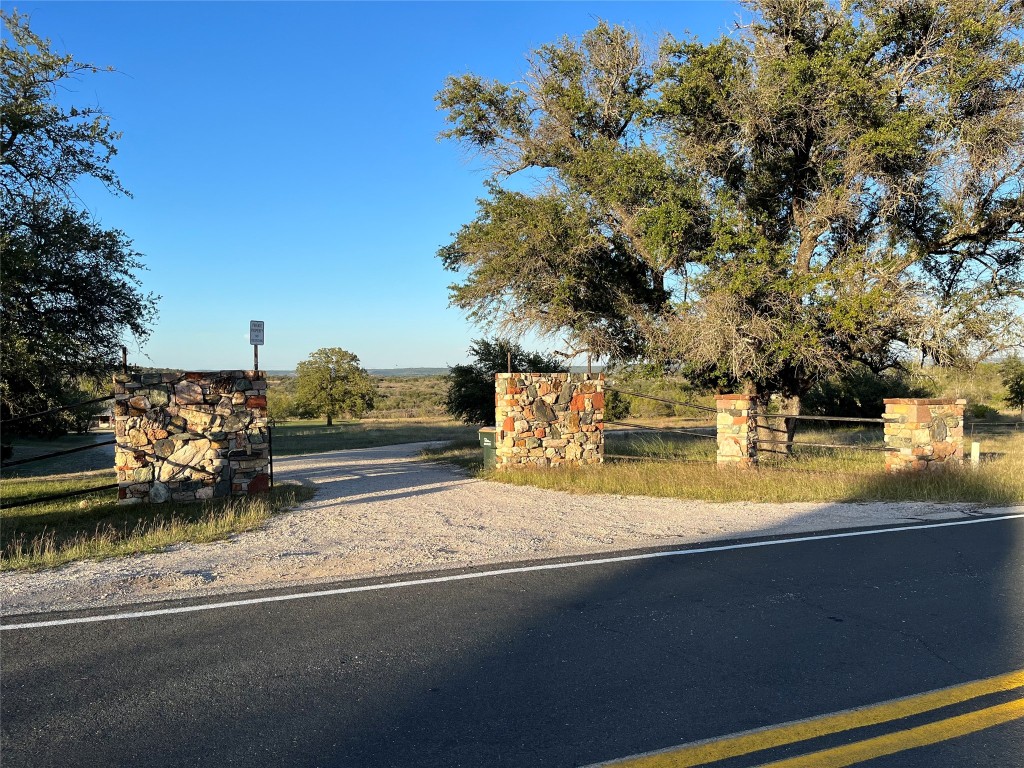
645 428
992 427
774 434
5 425
768 422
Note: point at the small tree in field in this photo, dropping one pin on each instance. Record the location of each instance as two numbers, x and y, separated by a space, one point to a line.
1012 374
471 387
330 381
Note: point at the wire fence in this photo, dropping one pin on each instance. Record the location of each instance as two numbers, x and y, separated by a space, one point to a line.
629 426
799 443
30 459
647 427
993 426
813 417
775 432
4 504
18 419
765 423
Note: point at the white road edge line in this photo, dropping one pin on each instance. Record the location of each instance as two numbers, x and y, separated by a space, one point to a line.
499 572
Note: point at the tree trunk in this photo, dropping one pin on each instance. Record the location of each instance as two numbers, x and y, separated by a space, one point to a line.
771 435
330 422
792 407
775 433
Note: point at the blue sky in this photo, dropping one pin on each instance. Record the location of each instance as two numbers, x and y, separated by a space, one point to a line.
284 163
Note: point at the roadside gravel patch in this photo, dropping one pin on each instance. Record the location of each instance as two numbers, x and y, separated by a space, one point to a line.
383 511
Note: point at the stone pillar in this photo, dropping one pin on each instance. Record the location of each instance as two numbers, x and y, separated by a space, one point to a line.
737 432
190 436
549 419
922 434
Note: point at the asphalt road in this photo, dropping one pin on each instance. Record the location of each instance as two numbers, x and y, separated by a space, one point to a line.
557 667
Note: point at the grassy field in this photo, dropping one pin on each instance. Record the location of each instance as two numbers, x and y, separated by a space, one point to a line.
314 436
405 397
95 526
680 466
397 397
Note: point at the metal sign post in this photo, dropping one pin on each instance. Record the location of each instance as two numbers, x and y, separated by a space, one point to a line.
256 339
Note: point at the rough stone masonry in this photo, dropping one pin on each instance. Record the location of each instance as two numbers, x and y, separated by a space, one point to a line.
191 436
923 434
549 419
736 431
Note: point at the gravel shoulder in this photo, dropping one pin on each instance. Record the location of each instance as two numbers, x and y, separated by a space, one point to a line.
383 511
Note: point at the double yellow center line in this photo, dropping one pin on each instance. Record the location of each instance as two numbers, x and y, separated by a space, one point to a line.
712 750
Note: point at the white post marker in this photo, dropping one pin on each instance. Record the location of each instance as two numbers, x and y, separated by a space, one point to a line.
256 339
975 455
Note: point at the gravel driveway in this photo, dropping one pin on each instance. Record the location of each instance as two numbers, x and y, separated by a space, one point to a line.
383 511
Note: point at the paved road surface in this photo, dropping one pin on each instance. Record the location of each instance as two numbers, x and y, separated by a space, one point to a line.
556 667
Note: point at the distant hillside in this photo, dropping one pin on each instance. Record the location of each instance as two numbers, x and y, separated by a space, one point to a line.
413 372
402 372
408 371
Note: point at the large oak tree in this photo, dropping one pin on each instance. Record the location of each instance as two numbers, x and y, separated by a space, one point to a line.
830 186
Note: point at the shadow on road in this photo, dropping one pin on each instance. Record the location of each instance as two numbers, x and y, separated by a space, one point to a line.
550 668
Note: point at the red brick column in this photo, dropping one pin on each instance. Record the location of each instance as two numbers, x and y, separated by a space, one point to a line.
737 433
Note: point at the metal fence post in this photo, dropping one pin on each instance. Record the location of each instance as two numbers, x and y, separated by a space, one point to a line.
270 449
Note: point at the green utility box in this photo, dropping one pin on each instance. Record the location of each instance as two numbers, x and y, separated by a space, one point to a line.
489 442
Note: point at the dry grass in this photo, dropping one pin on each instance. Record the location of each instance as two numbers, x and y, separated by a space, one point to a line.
683 467
94 526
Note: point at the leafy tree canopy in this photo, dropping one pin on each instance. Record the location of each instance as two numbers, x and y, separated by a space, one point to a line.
331 382
470 394
831 186
1011 371
69 289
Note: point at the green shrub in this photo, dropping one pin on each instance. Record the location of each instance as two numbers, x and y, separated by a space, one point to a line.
981 411
470 394
616 406
860 393
1011 371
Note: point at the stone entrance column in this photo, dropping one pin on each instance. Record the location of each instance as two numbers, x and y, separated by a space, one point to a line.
923 434
737 433
190 437
549 419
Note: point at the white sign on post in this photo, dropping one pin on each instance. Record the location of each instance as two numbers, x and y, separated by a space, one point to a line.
256 333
